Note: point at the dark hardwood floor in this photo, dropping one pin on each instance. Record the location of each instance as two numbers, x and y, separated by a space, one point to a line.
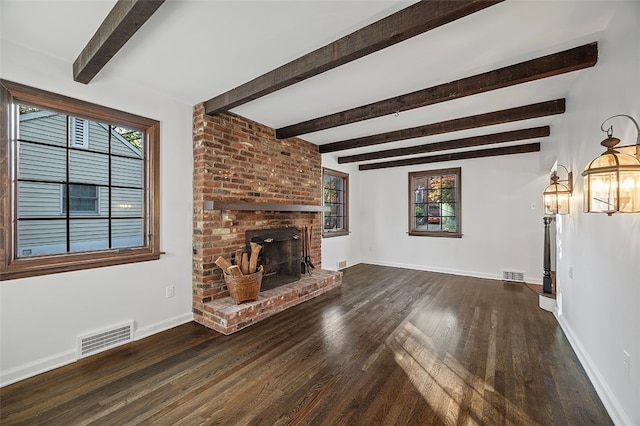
392 346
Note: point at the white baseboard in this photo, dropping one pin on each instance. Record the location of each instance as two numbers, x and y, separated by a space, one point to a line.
334 268
611 404
36 367
52 362
475 274
149 330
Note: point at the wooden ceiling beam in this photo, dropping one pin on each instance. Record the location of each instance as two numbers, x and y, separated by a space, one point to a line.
546 66
480 153
515 135
402 25
525 112
122 22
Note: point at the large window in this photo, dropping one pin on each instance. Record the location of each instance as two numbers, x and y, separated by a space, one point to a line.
79 182
335 196
434 203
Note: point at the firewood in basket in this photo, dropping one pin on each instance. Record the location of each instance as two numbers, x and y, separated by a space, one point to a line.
238 258
253 260
234 270
222 263
244 265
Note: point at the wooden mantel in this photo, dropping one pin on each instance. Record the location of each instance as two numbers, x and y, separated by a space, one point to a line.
269 207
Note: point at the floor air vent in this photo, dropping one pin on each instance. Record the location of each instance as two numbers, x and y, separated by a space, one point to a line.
513 276
101 341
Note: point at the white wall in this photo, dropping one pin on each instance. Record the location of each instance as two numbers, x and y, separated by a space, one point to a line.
41 317
345 247
501 229
599 308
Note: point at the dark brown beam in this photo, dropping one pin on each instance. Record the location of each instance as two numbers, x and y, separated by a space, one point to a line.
126 17
546 66
526 112
515 135
402 25
480 153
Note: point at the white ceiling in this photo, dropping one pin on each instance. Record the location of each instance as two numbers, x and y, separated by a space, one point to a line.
193 50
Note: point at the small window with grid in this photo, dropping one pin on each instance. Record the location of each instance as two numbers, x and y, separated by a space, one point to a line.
434 203
335 196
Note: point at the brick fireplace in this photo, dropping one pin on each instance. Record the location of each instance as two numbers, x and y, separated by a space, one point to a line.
240 161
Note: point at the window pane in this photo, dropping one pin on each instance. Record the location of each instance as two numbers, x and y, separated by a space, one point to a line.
86 235
37 199
40 237
41 162
98 136
127 142
126 202
127 233
126 172
88 167
42 126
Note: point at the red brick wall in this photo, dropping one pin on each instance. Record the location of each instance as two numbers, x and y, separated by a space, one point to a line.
236 159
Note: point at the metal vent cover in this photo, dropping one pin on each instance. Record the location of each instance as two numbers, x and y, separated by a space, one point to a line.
93 343
513 276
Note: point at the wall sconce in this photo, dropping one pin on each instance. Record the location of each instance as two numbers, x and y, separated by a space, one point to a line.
612 181
556 195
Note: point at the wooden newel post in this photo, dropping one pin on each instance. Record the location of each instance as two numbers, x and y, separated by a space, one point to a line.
546 278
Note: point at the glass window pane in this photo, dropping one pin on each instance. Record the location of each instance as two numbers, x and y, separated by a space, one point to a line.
42 126
87 235
449 181
127 233
126 202
40 237
36 199
98 136
126 172
88 167
41 162
127 142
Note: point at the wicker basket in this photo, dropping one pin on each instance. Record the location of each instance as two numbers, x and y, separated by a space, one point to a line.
244 288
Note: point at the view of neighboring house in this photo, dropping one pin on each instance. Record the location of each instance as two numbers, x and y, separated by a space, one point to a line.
99 169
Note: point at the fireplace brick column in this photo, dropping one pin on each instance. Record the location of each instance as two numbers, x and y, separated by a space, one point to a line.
235 159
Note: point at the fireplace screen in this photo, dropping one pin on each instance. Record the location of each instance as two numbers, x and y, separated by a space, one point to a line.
280 255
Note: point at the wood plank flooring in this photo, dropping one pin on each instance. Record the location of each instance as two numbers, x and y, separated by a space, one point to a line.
391 346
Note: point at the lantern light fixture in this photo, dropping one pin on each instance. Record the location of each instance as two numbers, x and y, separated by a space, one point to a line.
612 181
556 195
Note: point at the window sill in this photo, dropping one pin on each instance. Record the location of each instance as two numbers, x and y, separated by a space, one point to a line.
435 234
23 268
335 234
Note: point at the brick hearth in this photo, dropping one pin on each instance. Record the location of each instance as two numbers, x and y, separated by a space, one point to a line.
225 316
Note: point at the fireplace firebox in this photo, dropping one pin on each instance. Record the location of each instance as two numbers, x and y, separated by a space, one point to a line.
281 255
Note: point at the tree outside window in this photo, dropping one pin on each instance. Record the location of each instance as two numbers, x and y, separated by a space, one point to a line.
434 203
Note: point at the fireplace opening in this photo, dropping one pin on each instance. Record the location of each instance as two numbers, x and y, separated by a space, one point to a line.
280 256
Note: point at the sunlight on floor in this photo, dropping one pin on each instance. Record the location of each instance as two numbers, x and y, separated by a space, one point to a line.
442 381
